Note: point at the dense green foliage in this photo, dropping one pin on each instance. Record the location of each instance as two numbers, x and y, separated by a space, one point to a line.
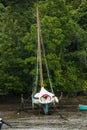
64 31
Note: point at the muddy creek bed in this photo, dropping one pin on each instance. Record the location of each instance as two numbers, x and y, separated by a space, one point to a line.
63 117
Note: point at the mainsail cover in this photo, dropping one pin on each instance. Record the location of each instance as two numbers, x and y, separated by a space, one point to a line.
42 92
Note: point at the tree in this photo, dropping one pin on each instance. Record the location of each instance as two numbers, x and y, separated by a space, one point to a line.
81 15
14 53
64 32
74 3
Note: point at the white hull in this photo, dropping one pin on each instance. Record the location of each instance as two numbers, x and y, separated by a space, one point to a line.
44 97
45 101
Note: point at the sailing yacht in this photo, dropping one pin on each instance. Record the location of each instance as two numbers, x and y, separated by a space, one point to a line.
42 98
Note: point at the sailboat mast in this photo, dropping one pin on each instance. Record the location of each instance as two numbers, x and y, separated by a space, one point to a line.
39 48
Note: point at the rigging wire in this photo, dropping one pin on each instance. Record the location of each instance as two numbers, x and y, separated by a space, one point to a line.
36 75
44 54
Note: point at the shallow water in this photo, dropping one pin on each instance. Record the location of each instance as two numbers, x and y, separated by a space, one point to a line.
68 121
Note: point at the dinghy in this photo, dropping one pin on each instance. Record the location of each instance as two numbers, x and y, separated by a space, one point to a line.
42 98
83 107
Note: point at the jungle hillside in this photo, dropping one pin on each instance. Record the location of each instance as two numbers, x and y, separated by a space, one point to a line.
64 32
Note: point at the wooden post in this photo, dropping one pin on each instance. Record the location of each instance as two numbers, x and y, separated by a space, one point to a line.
22 102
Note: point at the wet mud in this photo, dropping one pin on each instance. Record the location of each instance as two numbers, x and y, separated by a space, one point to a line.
68 121
60 118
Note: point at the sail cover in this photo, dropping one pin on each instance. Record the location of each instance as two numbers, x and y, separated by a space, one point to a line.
42 92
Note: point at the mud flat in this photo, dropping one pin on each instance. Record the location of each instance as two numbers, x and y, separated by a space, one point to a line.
62 120
63 117
68 121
